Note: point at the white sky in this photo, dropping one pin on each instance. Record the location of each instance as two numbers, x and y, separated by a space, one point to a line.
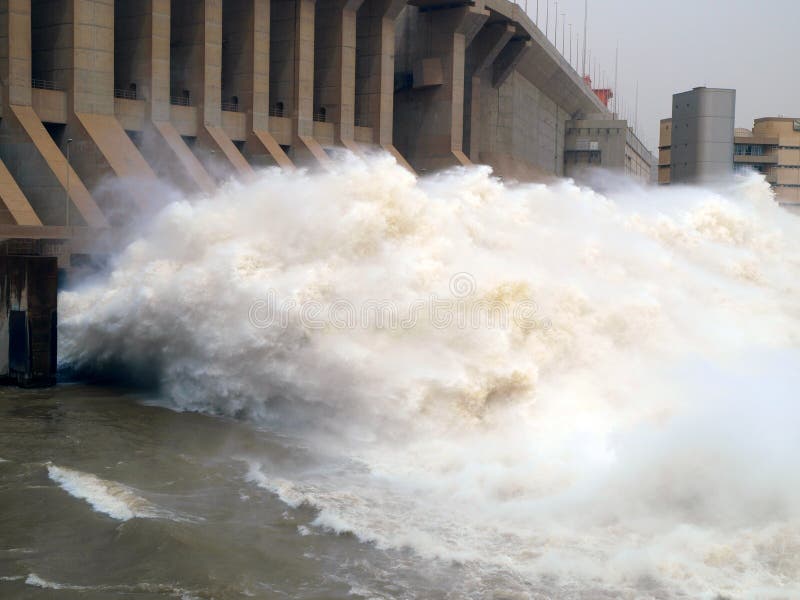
672 46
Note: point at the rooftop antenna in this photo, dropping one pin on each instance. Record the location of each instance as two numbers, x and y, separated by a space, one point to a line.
636 109
585 37
563 32
537 14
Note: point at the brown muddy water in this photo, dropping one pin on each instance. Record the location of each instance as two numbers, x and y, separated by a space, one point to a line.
104 496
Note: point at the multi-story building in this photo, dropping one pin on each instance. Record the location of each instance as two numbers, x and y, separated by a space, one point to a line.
701 135
607 143
665 151
772 148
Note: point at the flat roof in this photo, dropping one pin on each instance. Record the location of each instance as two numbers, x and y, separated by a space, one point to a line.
783 119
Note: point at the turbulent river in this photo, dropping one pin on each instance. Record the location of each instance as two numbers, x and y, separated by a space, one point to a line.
360 384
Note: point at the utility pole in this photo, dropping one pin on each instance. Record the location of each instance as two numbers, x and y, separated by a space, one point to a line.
570 44
547 20
589 72
585 34
616 79
555 29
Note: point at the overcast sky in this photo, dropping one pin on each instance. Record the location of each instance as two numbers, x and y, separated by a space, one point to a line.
673 46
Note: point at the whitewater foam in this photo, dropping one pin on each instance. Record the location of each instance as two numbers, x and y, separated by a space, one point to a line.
114 499
648 433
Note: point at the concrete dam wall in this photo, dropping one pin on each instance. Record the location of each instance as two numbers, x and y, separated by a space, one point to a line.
194 91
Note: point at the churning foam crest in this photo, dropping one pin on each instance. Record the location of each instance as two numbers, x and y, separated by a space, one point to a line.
638 422
114 499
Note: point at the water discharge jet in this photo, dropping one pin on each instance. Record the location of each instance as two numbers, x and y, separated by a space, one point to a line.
644 439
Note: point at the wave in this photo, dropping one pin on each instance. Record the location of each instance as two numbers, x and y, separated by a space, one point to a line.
35 580
114 499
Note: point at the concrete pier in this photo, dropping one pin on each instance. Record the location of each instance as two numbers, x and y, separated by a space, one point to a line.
28 320
429 113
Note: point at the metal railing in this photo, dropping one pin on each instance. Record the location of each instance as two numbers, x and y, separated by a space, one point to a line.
320 117
360 121
275 111
230 106
126 94
180 101
43 84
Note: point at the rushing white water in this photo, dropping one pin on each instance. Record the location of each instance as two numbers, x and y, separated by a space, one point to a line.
114 499
635 429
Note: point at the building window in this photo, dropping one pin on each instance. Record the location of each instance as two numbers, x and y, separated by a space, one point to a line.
748 150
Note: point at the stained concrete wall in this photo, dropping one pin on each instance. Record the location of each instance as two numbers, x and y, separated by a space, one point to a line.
335 67
18 151
522 130
142 58
449 85
429 109
375 73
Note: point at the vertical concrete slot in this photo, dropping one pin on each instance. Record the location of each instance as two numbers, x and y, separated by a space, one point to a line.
51 43
131 68
185 66
132 77
237 38
239 95
365 20
281 70
327 111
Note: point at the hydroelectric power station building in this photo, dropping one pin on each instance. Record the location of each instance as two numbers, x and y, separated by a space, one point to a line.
192 92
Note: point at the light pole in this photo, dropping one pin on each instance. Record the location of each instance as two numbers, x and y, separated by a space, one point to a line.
66 204
547 20
570 44
555 29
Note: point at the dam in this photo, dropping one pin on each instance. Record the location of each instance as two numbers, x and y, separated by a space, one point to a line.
106 101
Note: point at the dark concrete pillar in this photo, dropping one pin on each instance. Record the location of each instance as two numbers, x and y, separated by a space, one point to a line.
28 331
429 116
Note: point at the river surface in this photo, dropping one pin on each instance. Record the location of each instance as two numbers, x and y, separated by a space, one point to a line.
106 496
